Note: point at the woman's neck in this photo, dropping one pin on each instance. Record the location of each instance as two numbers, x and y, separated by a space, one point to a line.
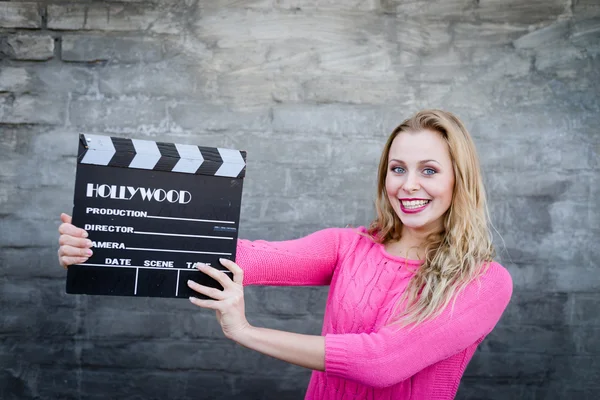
411 245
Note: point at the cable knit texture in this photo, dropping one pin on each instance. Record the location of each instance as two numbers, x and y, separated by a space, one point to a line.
365 358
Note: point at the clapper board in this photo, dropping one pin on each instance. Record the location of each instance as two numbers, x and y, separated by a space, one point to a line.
152 210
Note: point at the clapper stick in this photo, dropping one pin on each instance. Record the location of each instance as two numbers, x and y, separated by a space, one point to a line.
152 210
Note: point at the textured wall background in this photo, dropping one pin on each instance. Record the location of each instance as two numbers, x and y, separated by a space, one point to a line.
311 89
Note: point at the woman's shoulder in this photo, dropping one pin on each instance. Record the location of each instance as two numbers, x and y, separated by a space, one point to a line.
495 278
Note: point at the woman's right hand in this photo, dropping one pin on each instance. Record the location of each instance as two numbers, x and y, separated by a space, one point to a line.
74 248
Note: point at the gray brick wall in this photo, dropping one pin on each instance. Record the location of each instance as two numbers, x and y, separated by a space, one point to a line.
311 89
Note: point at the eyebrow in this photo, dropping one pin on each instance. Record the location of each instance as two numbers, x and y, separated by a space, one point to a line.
420 162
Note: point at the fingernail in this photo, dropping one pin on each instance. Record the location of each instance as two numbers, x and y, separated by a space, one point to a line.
89 252
88 243
85 234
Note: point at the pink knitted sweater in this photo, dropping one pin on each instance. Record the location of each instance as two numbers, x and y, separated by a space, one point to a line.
364 357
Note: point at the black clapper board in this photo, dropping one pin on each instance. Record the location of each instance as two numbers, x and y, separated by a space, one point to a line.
152 210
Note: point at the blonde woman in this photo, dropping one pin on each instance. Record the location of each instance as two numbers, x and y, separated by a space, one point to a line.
411 296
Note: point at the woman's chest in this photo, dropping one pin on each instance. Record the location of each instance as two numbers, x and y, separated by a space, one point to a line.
363 295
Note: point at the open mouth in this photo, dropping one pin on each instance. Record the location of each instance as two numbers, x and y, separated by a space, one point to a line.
414 204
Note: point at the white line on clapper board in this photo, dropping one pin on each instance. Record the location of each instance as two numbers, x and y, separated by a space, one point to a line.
136 276
182 235
178 251
191 219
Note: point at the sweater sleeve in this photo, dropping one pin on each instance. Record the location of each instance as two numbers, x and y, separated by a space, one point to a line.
308 261
393 354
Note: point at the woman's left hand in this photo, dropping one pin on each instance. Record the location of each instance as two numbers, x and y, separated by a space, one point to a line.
227 303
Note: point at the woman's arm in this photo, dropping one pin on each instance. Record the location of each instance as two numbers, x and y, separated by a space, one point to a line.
377 359
304 350
308 261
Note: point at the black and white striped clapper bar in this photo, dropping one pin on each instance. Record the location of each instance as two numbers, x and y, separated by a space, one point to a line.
152 210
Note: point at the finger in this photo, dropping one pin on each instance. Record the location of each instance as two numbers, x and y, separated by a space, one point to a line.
217 275
212 304
70 251
70 229
205 290
74 241
65 218
67 261
238 273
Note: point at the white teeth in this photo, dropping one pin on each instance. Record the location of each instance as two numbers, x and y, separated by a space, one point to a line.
414 203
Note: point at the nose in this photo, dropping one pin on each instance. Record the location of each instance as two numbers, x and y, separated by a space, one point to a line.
411 185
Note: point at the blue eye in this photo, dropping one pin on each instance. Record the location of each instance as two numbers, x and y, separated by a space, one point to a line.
429 171
398 170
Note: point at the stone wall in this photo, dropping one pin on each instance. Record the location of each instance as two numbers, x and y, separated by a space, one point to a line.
310 89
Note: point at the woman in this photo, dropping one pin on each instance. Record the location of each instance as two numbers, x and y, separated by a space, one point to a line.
411 296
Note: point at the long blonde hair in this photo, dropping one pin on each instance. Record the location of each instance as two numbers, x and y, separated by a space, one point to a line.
455 256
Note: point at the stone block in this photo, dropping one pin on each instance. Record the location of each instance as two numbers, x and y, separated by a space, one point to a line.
468 35
295 5
563 55
308 210
152 384
530 339
150 80
252 90
531 12
118 323
557 185
207 117
471 389
269 148
341 181
426 10
97 48
29 109
38 322
586 341
20 15
112 17
28 232
417 37
578 368
585 306
318 301
204 355
27 47
280 386
44 295
41 352
525 155
358 89
337 120
285 301
142 114
307 325
527 368
39 204
14 79
586 34
24 380
586 9
544 36
540 309
61 78
41 263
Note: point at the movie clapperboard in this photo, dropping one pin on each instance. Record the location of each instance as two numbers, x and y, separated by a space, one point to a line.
152 210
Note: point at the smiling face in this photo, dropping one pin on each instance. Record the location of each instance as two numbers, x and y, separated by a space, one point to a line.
420 180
